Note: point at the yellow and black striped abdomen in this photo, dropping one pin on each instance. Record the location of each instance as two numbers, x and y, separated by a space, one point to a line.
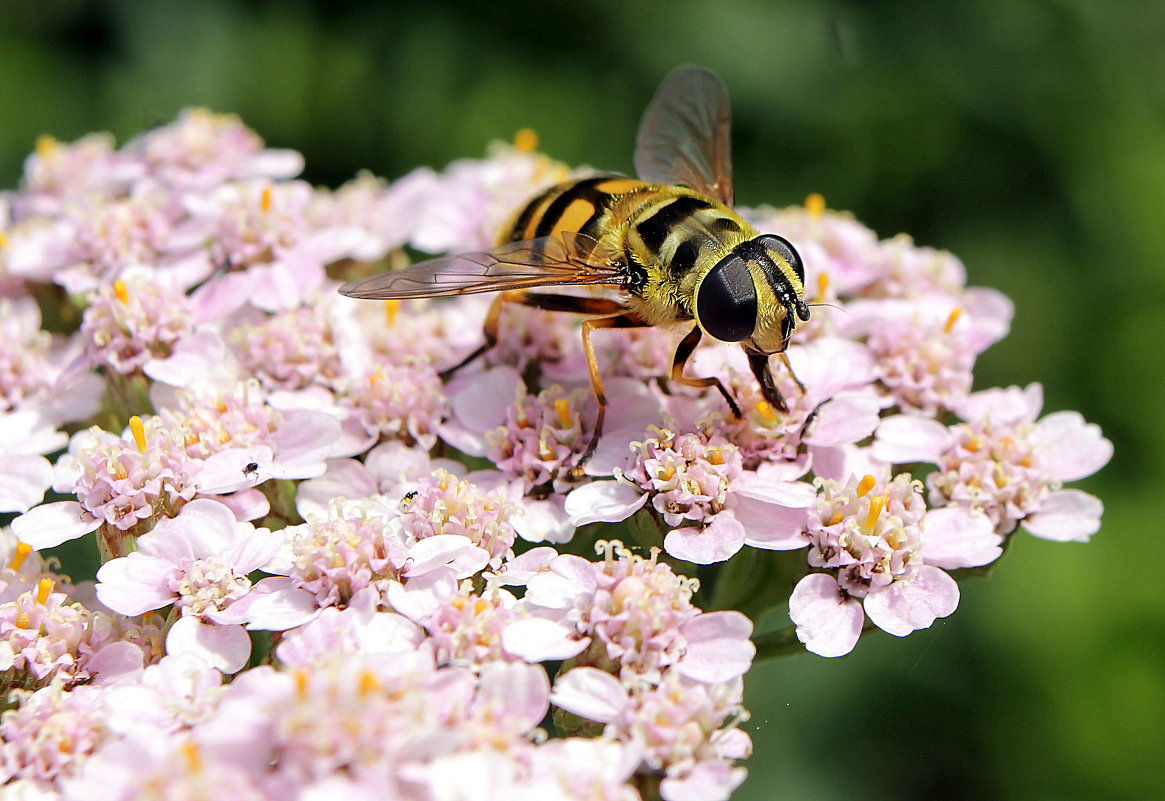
668 236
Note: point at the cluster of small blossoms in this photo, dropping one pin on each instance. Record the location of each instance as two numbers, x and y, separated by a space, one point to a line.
254 457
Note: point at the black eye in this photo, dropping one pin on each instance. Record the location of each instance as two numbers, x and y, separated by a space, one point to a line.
726 301
784 248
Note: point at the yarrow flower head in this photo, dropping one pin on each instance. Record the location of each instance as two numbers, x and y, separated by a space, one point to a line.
343 476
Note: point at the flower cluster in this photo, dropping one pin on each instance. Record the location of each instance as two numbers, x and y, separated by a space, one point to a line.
256 459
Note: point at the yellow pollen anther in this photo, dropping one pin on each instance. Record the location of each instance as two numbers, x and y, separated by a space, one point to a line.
120 292
876 506
391 308
265 200
43 588
822 285
865 485
301 683
3 240
23 549
139 432
954 318
221 406
458 603
815 204
192 756
480 607
526 140
562 407
765 410
835 518
369 683
46 146
667 473
190 441
715 456
375 378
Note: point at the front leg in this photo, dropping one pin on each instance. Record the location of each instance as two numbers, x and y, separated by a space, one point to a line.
683 353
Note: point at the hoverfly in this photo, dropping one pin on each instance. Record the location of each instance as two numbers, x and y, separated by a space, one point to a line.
669 242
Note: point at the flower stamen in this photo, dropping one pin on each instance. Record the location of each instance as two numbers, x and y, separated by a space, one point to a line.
139 432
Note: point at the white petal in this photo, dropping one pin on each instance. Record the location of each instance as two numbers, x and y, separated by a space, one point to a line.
956 537
609 501
715 542
913 604
589 693
23 481
544 521
1069 447
224 647
910 438
1066 516
845 418
53 523
536 639
828 622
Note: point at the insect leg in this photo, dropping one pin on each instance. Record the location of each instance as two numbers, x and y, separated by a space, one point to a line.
683 353
759 363
489 331
548 302
588 326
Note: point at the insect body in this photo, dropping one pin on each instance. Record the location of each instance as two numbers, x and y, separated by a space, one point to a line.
669 243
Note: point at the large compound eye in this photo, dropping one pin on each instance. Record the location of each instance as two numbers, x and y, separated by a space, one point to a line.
726 300
784 248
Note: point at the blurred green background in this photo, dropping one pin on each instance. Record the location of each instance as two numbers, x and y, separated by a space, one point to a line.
1028 138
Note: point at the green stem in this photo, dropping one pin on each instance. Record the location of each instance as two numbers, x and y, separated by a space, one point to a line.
773 644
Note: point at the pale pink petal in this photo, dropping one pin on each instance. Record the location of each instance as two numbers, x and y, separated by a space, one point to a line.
50 524
522 690
234 469
446 550
844 461
828 622
536 639
23 481
522 568
773 525
845 418
247 504
705 545
1066 516
956 537
136 584
544 520
278 606
589 693
303 443
1069 447
914 603
608 501
226 648
422 595
480 403
709 780
732 743
346 478
718 648
906 438
203 528
116 660
1003 406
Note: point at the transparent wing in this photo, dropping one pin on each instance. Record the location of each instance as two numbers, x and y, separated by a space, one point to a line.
684 137
567 259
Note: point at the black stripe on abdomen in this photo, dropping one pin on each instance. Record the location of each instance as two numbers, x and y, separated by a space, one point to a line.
585 190
654 230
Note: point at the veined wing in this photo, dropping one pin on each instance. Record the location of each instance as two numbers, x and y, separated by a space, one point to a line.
568 259
684 137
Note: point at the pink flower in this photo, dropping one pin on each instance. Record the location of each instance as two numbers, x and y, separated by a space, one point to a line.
1005 463
881 554
199 562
